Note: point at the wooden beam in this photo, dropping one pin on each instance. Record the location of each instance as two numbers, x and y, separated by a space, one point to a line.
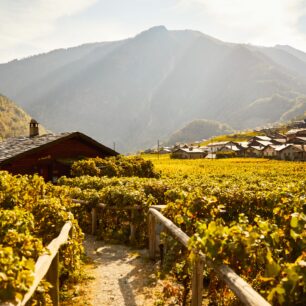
240 287
52 277
132 226
94 221
174 230
152 236
197 281
105 206
44 261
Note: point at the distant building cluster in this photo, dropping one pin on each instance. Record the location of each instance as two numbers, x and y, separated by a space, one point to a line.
291 146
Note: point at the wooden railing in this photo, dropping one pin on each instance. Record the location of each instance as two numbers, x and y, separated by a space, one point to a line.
99 206
132 209
47 265
246 294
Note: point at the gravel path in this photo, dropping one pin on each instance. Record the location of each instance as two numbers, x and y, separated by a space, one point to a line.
121 276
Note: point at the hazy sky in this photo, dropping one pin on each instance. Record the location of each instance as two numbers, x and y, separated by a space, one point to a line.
33 26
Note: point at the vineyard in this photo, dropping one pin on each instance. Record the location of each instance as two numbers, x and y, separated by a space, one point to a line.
246 213
32 213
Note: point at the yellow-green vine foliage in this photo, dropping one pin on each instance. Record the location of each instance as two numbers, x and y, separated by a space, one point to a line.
115 193
248 214
119 166
32 213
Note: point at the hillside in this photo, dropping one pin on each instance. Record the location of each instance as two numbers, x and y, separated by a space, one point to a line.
13 120
197 130
141 89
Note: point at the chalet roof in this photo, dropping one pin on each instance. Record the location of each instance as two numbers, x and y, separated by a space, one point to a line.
264 143
294 131
13 147
221 143
300 138
263 138
280 140
190 150
243 144
257 148
281 147
165 150
300 147
275 146
232 148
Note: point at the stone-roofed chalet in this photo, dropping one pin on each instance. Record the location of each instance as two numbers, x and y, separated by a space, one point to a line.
50 155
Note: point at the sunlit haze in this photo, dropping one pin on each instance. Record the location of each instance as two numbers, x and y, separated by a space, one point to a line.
34 26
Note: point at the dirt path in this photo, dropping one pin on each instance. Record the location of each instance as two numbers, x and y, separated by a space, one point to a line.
120 275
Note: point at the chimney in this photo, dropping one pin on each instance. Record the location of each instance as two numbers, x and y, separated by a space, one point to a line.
34 131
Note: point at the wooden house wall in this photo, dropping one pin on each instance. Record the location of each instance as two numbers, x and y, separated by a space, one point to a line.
290 153
269 152
45 162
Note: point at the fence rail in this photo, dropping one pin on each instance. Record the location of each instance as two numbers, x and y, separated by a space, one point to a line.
242 289
47 265
246 294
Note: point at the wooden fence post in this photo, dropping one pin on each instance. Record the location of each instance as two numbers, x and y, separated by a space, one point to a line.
94 221
132 226
52 277
197 281
152 236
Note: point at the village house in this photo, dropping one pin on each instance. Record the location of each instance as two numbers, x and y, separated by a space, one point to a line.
216 146
270 151
261 138
274 146
228 151
295 133
299 124
278 141
259 141
50 155
165 150
277 135
291 152
189 153
298 140
254 151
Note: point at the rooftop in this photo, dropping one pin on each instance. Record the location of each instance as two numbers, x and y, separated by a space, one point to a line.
17 145
14 146
294 131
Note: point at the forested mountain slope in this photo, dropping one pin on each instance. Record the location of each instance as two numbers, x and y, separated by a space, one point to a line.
13 120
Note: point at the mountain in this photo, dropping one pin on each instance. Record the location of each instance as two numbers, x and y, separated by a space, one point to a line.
141 89
197 130
295 52
13 120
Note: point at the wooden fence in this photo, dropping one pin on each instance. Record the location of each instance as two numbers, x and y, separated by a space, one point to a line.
47 265
242 289
246 294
